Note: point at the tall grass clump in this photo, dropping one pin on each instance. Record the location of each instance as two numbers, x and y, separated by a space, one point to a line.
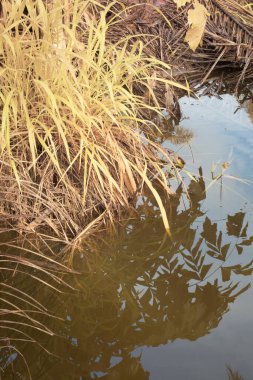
76 132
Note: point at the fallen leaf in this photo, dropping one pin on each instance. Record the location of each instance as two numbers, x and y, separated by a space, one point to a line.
197 18
181 3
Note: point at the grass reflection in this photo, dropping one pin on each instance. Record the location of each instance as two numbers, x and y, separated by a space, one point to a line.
140 288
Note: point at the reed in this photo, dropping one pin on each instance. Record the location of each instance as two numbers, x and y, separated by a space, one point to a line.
76 139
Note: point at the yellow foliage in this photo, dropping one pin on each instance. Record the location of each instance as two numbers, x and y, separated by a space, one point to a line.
181 3
197 18
75 128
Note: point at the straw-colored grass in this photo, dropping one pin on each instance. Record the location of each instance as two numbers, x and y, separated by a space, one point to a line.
75 117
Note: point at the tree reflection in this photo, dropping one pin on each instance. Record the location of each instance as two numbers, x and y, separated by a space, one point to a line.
141 288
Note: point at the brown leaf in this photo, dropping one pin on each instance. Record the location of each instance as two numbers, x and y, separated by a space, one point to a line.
197 18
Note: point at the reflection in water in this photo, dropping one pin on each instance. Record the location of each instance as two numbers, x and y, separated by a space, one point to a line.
233 375
172 131
135 290
249 108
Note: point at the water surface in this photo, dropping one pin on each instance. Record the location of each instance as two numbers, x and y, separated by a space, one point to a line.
147 307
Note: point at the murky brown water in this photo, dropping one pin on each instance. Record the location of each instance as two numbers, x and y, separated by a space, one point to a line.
151 308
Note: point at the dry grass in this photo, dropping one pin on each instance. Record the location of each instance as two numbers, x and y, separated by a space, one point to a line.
23 318
227 42
80 86
76 138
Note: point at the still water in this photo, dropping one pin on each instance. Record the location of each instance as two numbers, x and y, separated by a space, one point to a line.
146 307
